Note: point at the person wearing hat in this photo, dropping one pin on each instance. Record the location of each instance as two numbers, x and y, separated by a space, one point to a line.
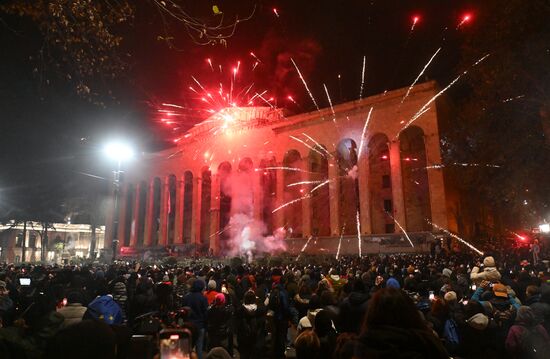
211 292
219 316
490 272
74 310
527 338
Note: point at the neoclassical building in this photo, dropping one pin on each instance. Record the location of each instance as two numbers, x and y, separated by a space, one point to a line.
374 181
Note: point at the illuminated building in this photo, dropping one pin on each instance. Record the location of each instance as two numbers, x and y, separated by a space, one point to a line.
179 196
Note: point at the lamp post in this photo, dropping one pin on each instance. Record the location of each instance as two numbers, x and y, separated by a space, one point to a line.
119 152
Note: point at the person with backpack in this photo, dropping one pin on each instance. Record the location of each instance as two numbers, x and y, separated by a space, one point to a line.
527 338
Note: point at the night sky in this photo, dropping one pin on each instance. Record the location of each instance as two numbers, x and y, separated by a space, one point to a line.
49 135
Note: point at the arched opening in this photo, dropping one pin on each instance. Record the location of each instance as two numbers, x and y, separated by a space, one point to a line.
348 196
187 206
129 220
293 213
416 189
156 211
320 200
205 209
380 188
268 182
142 210
171 204
242 200
224 173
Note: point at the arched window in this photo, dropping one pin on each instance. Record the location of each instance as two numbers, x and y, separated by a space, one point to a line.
293 212
224 173
171 207
187 206
320 200
140 227
157 185
380 187
348 196
268 181
416 191
205 209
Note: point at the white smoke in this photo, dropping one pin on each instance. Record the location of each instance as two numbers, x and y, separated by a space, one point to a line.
247 234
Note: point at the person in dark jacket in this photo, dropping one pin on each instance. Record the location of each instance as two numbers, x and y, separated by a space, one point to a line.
542 307
251 318
219 316
353 308
394 329
324 328
524 329
198 304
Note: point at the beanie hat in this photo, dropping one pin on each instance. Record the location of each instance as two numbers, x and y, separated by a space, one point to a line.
489 262
447 272
478 321
392 283
212 284
218 353
450 296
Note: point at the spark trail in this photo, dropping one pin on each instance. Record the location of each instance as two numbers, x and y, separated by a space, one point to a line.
305 84
304 182
304 248
425 107
364 133
287 169
456 237
330 102
308 146
291 202
420 74
401 228
317 143
359 242
363 77
340 241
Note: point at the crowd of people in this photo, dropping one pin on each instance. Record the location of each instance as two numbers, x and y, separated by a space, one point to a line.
378 306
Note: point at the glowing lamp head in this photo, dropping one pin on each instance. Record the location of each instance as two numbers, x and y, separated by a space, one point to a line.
415 19
119 151
466 17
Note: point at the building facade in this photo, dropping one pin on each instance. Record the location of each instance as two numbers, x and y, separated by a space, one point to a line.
359 170
65 242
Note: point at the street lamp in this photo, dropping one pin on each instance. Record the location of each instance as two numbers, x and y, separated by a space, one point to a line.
118 151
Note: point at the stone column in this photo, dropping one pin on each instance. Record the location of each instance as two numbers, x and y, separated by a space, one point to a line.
215 214
258 193
196 214
122 211
436 181
148 235
397 186
306 203
180 197
163 226
334 197
135 215
364 194
110 220
279 217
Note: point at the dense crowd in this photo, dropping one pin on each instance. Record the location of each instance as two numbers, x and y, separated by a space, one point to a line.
382 306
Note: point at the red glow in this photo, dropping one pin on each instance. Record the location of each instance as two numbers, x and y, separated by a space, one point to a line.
466 17
406 159
276 12
384 157
415 19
